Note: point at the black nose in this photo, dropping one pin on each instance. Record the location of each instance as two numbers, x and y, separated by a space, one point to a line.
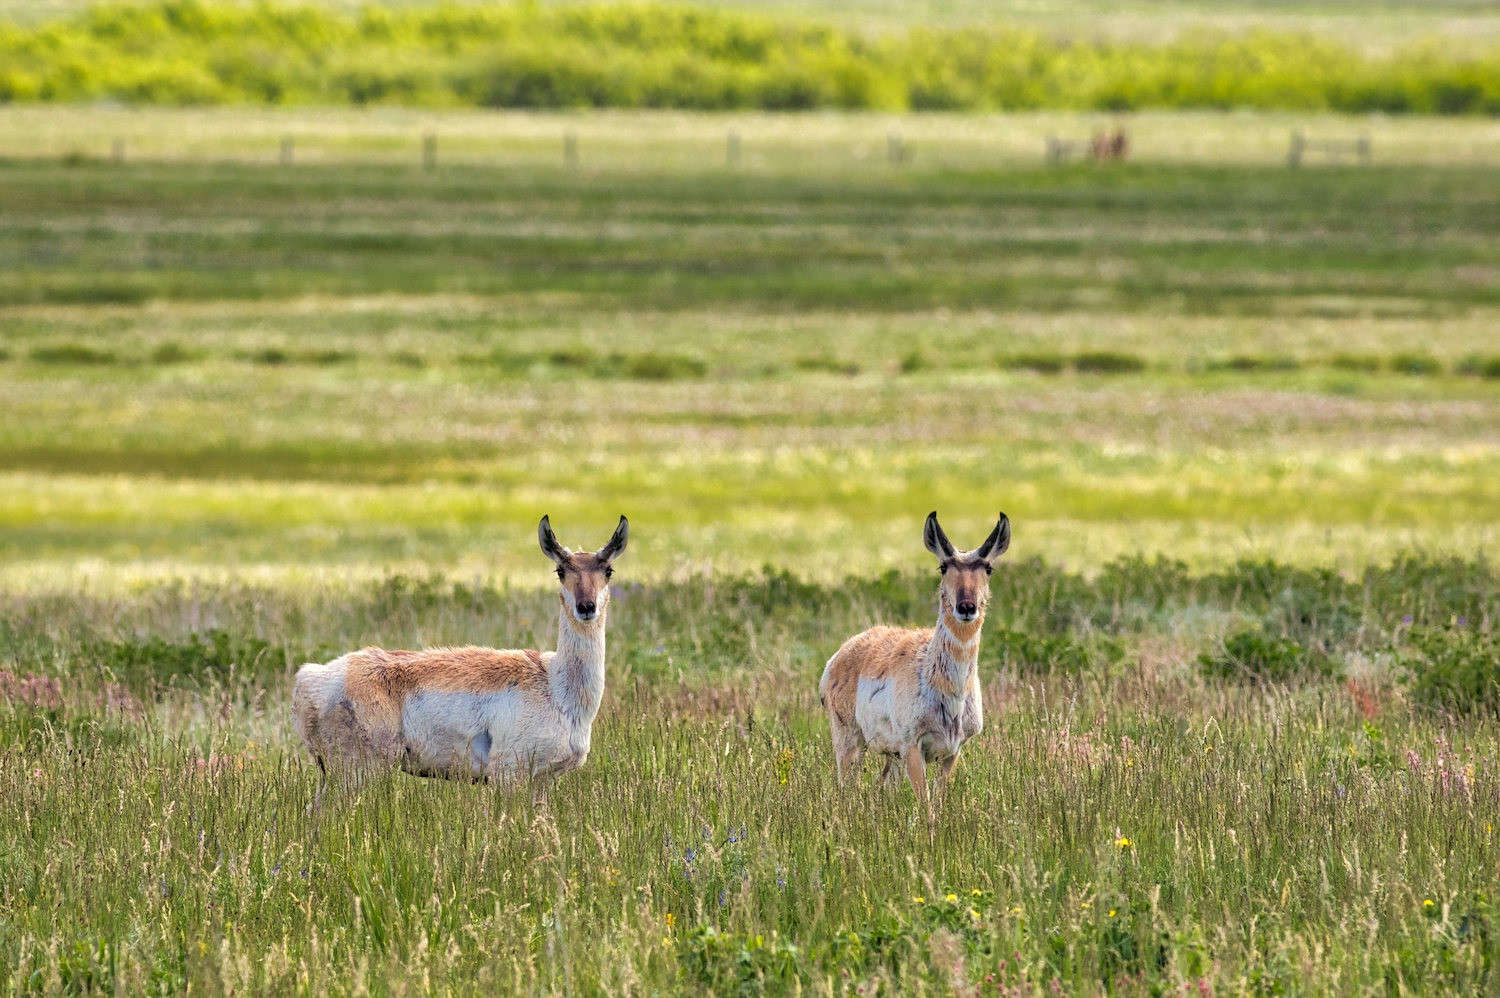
967 609
585 609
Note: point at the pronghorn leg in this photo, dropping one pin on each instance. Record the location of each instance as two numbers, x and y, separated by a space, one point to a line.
848 748
891 774
945 768
916 772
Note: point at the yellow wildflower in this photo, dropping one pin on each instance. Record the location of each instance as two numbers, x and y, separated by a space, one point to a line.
973 913
671 919
918 899
1112 912
951 898
1429 903
1123 842
976 892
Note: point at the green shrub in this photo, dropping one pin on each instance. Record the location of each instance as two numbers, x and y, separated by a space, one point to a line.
330 357
1262 658
1108 362
1452 668
1360 363
913 362
829 364
271 356
1416 365
408 358
1480 367
71 353
1256 364
170 353
664 367
1041 363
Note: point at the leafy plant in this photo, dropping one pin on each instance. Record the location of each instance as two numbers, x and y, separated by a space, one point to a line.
1260 657
1452 668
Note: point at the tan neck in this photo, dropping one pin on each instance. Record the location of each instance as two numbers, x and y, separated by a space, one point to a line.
953 653
576 673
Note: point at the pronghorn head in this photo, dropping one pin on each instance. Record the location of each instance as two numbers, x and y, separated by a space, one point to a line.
965 591
584 576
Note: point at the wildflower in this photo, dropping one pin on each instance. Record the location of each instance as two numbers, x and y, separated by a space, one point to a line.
1429 904
671 920
1016 910
973 913
1123 843
918 899
1406 619
976 892
1113 912
951 898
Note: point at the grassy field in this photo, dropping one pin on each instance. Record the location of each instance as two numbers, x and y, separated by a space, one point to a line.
259 414
779 362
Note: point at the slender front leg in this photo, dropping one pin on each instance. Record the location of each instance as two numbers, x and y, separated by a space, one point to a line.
916 772
945 768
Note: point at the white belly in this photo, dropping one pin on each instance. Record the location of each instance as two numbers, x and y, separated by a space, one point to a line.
873 712
485 734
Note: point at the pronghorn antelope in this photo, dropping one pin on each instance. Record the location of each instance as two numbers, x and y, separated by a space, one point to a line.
913 694
475 713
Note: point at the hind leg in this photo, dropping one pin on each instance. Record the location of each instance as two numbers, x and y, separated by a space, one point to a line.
891 774
848 747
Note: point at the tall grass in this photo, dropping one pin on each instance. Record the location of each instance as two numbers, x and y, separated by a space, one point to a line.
670 56
1123 826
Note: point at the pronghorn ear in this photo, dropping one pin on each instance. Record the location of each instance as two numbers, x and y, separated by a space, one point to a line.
550 547
611 551
935 539
996 543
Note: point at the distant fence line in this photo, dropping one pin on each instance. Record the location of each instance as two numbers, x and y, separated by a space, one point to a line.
1102 146
646 55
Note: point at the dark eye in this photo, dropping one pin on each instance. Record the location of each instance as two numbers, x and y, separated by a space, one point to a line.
989 570
561 574
943 569
609 573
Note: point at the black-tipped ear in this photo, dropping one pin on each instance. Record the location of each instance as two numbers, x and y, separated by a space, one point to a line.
995 544
935 539
611 551
550 547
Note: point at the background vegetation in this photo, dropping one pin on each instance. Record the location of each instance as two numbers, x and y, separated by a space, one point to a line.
661 56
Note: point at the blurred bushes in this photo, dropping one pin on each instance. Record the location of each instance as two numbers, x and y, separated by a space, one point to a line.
1453 668
663 56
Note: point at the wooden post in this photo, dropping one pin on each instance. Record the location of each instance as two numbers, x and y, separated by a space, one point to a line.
117 150
732 153
570 148
288 150
429 151
1294 155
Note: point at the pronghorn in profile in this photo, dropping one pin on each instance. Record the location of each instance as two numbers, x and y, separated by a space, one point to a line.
475 713
913 695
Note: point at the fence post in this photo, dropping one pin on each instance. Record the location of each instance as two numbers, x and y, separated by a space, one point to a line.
570 148
429 151
1362 149
117 150
895 150
1294 155
288 147
732 152
1054 150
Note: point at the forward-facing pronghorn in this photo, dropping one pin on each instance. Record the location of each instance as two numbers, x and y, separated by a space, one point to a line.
913 694
476 713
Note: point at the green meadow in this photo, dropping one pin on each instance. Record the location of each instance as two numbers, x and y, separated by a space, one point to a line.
265 403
